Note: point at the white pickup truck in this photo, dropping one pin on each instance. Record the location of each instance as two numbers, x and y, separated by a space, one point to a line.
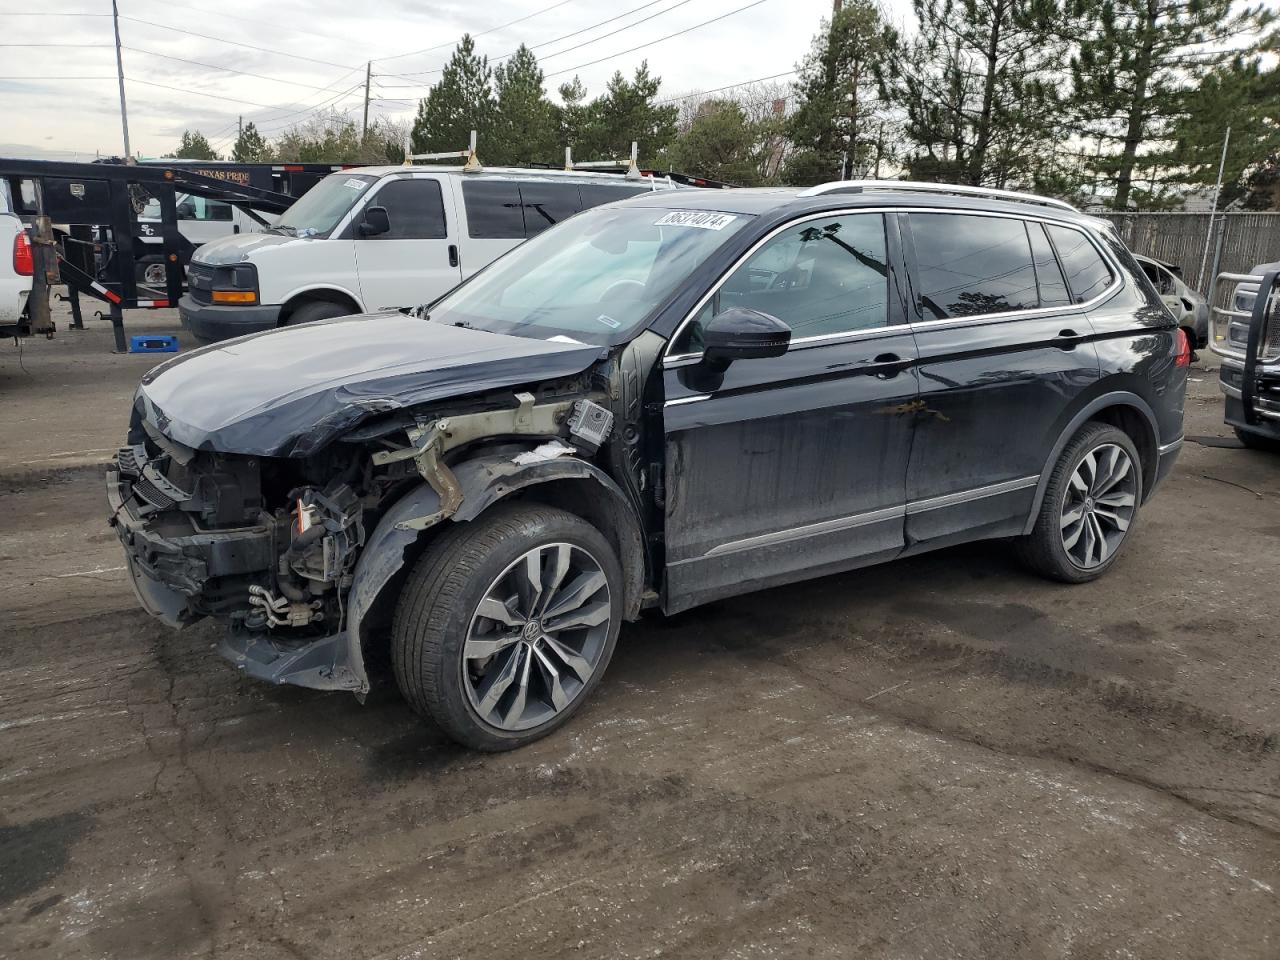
16 268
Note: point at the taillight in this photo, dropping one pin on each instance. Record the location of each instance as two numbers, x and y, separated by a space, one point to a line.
1183 357
23 263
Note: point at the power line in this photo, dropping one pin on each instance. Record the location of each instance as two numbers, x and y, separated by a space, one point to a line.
731 86
482 33
567 36
237 43
188 90
214 66
293 28
623 53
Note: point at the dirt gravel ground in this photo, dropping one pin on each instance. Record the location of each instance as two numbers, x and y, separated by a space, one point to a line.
938 758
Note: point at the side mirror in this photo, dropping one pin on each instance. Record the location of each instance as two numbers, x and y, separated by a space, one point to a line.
375 222
742 334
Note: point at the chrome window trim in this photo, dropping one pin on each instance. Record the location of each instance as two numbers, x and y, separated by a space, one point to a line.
901 511
1117 281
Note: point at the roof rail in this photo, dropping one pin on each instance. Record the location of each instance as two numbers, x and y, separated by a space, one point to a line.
913 186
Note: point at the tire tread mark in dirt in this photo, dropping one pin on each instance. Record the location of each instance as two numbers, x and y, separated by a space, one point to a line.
1109 694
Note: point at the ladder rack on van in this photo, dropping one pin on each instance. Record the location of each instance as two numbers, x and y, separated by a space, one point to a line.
94 248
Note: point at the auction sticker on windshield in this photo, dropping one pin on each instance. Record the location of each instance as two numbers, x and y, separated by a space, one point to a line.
696 218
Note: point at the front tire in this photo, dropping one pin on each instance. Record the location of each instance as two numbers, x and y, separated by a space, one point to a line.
1089 507
316 310
506 625
1256 441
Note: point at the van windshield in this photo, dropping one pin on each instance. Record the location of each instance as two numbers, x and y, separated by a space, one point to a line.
320 208
594 277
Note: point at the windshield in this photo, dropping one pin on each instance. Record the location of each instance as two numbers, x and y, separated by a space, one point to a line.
320 208
592 278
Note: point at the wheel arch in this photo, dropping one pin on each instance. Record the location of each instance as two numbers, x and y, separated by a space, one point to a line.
409 525
1122 409
317 295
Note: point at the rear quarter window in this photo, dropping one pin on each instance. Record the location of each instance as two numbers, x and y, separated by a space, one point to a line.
1086 271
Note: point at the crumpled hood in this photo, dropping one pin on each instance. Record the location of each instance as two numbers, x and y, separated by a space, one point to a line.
288 392
239 247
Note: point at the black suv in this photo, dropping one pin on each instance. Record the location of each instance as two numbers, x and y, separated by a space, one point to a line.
657 403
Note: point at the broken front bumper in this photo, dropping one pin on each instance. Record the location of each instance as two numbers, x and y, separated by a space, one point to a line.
171 570
172 573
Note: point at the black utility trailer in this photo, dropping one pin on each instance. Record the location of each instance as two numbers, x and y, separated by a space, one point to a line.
83 220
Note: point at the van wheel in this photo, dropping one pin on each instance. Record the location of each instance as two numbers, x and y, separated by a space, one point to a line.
1089 507
1256 441
506 624
316 310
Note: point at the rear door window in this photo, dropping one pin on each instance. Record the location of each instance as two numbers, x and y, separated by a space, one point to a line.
546 204
972 265
415 209
493 209
1087 273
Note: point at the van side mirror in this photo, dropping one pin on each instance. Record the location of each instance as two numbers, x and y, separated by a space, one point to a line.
375 222
743 334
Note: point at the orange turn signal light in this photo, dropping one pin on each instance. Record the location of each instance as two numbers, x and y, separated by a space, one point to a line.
234 296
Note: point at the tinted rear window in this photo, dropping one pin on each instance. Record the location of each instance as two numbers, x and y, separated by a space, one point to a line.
594 194
493 210
546 204
972 265
1087 273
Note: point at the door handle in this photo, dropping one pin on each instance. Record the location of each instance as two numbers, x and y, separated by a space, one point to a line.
885 366
1067 339
453 254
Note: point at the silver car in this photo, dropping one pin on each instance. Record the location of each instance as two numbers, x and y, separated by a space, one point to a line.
1191 309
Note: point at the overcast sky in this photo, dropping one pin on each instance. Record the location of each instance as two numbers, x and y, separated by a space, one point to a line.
61 118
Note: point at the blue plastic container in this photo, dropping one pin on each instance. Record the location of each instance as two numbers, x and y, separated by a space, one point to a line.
151 343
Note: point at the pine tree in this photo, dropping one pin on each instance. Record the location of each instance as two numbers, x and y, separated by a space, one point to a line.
1245 96
461 102
979 89
1130 73
721 143
839 109
573 118
525 127
194 146
628 112
251 146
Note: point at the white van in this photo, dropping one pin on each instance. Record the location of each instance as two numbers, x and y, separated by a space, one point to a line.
377 238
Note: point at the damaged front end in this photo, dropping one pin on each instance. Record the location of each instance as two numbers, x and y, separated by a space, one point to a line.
292 553
203 537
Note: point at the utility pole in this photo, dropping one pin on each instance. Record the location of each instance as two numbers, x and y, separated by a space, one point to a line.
1213 212
124 113
368 75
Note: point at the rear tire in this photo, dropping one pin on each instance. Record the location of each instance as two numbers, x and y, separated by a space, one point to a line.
1090 506
500 649
1256 441
316 310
